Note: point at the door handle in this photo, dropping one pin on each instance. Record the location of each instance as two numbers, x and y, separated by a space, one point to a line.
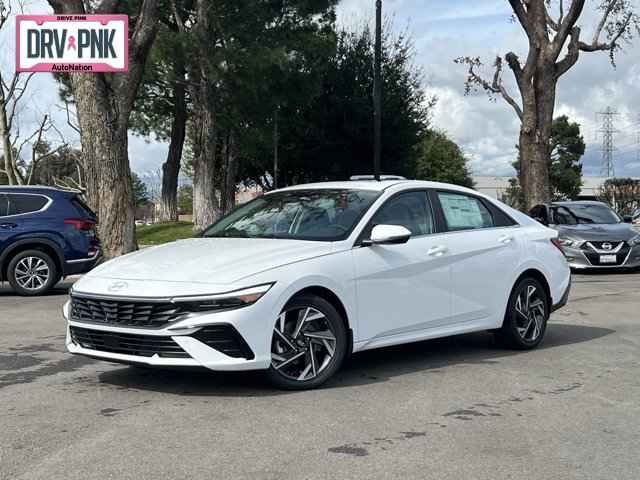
437 251
8 226
505 239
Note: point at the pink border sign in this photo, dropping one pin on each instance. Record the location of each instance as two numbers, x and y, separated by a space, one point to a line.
74 66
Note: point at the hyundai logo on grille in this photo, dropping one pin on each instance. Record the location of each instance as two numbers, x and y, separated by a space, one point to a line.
607 246
118 286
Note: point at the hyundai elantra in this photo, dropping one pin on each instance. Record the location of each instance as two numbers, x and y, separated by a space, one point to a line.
298 279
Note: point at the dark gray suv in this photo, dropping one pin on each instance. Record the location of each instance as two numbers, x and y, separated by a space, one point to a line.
592 235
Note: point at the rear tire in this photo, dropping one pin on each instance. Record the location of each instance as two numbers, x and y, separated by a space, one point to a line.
32 273
308 345
525 320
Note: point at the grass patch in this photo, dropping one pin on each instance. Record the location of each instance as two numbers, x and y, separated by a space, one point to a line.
164 232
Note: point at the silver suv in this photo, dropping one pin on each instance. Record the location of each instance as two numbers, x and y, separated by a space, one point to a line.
592 235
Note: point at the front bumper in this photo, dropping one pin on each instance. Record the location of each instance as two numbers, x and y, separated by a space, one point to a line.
580 259
186 343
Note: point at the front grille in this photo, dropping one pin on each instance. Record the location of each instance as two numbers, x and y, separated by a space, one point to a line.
594 256
129 313
127 343
225 339
601 245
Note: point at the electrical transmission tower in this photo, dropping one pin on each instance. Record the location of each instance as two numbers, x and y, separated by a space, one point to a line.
608 131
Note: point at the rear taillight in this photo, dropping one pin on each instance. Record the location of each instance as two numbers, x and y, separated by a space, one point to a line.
82 225
556 243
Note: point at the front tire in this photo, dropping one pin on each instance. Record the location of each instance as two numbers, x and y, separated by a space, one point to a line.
308 345
525 320
32 273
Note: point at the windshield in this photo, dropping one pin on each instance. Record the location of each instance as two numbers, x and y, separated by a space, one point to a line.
575 214
324 215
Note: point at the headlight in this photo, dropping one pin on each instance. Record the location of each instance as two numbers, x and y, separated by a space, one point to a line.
635 240
569 242
223 301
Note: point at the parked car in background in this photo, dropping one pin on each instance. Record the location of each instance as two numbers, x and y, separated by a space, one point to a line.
294 281
45 235
635 219
592 235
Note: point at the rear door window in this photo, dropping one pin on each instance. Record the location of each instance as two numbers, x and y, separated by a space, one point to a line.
20 203
463 212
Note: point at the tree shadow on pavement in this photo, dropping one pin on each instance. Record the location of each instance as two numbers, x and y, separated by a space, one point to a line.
363 368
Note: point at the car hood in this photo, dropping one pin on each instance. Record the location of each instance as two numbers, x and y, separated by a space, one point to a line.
209 260
598 232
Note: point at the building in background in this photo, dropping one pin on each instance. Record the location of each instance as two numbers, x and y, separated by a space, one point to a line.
496 187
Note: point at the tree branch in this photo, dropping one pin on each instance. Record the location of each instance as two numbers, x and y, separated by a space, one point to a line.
522 15
573 52
566 26
596 45
495 87
108 6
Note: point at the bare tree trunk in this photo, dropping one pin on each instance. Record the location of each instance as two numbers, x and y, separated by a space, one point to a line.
206 206
104 103
535 137
171 168
228 195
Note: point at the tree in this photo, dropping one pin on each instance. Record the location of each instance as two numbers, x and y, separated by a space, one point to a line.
555 44
15 170
623 194
162 110
140 191
104 102
440 159
567 148
329 136
565 170
185 200
235 51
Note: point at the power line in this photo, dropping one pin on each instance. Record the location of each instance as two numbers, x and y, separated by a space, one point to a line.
608 147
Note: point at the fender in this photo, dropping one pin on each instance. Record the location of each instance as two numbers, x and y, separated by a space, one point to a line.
32 240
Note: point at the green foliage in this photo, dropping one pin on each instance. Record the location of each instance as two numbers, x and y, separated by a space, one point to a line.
330 136
185 200
440 159
163 232
140 192
567 148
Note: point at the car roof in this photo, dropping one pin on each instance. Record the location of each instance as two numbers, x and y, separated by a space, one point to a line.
374 185
567 203
42 189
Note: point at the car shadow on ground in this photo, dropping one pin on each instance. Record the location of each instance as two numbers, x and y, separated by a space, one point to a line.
60 289
364 368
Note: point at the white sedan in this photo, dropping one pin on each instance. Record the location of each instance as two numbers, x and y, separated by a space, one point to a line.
298 279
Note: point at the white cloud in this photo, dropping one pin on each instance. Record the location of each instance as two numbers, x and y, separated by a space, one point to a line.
443 30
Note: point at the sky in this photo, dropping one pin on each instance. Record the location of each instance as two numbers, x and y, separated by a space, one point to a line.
442 30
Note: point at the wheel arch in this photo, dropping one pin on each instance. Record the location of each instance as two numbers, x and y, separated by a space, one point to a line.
331 297
44 245
539 276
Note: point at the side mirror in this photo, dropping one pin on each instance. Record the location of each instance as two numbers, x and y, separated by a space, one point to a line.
541 220
628 219
389 235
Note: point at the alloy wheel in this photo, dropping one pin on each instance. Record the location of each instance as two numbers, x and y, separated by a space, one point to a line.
303 344
530 309
32 273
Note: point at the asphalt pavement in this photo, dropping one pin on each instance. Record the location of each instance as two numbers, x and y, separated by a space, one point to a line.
458 408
